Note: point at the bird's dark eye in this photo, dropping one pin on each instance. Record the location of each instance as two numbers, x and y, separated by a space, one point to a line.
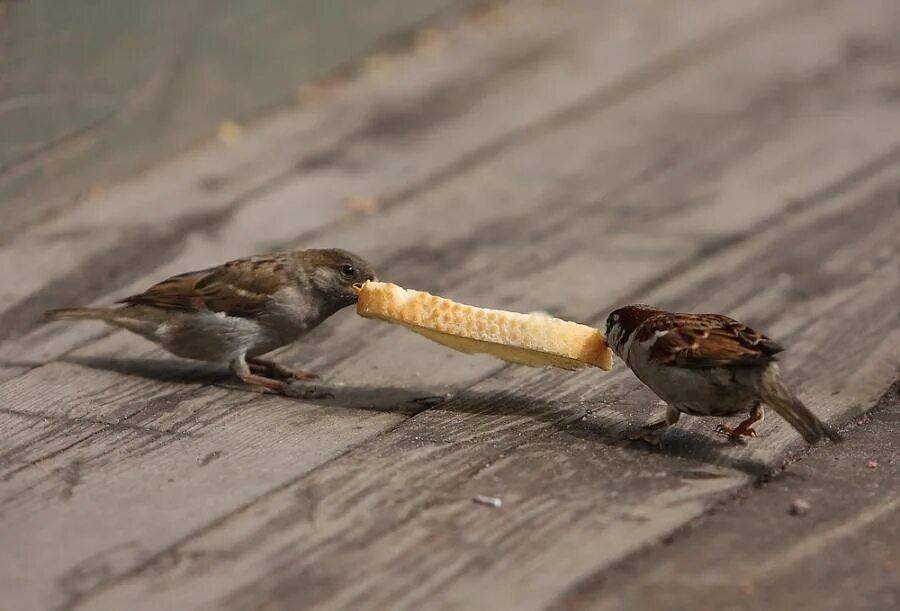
347 270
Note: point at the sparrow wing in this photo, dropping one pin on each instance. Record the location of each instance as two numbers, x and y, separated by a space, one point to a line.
238 288
705 340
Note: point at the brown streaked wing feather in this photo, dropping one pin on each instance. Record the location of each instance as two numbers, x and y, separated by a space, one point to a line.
175 293
238 288
707 340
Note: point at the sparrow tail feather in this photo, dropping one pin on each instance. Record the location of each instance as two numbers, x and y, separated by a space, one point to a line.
79 314
774 393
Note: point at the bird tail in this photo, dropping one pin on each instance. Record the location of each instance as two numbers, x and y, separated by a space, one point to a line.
79 314
774 393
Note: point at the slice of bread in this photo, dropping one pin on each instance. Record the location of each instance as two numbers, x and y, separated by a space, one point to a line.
525 339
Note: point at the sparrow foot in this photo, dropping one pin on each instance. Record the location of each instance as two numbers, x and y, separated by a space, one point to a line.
745 428
278 386
742 430
258 374
275 371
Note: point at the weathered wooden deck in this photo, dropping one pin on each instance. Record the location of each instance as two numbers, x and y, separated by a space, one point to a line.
564 156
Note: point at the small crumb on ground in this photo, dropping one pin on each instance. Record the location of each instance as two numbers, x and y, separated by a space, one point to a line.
317 91
376 65
872 464
363 204
428 40
488 500
800 507
229 132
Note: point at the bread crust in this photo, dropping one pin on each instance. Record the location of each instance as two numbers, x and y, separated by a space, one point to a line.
526 339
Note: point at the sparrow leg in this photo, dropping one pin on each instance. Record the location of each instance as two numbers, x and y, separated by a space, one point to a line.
242 370
271 369
745 428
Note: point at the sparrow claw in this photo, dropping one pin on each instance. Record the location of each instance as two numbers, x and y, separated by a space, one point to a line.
737 432
275 371
265 384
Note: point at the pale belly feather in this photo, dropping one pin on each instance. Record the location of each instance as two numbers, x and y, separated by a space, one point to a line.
220 338
698 392
215 336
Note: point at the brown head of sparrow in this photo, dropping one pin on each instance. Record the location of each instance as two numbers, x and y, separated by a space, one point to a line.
236 312
708 365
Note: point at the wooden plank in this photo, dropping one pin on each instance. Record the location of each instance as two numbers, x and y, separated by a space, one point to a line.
646 258
575 497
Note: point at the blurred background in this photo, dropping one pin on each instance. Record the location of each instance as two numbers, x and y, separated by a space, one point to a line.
93 91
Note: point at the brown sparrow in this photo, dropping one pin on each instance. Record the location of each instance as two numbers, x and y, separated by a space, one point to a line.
708 365
236 312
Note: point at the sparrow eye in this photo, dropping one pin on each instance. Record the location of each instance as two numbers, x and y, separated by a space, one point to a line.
347 270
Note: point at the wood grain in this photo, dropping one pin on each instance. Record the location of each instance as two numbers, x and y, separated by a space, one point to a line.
576 498
130 430
677 165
